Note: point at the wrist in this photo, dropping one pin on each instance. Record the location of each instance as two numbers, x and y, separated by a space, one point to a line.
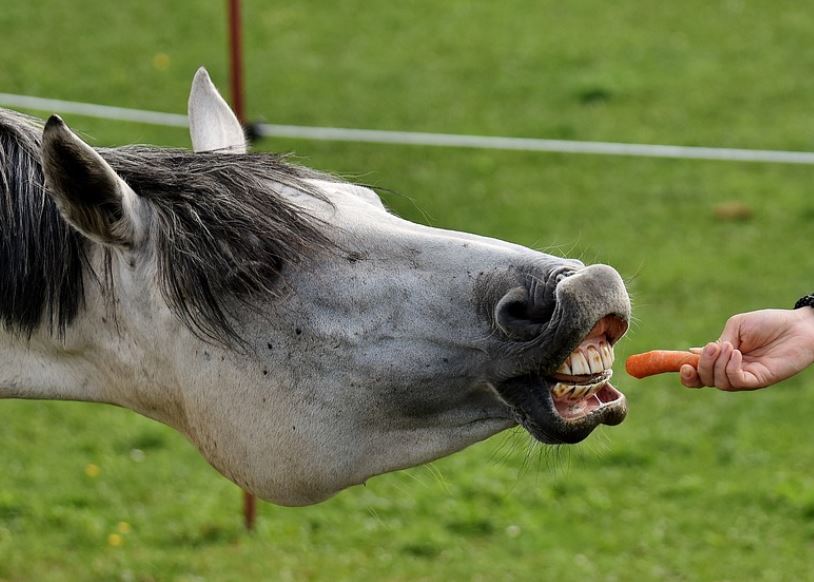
805 301
805 317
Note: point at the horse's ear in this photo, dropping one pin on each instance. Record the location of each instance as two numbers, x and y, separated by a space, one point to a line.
88 193
212 124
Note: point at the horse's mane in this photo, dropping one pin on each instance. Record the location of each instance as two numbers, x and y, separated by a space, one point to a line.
222 233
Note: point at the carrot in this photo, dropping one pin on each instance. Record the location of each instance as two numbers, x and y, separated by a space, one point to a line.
659 362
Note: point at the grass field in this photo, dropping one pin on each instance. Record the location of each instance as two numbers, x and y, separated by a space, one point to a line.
695 485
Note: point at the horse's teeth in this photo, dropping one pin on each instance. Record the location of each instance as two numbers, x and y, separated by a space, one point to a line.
579 364
565 367
594 360
561 390
607 356
588 360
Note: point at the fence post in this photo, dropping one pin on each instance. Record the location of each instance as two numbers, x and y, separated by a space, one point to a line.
238 105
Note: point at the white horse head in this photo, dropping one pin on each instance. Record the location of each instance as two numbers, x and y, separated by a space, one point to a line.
299 334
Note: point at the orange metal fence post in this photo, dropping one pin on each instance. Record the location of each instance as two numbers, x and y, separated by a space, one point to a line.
239 106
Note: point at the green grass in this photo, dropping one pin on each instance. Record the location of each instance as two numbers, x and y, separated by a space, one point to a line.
695 485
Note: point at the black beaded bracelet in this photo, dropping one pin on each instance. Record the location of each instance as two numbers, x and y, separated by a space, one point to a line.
807 301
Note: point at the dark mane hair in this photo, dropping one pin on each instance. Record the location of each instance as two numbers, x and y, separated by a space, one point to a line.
41 256
222 233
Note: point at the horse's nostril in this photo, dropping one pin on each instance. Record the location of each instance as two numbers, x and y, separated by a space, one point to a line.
519 316
559 274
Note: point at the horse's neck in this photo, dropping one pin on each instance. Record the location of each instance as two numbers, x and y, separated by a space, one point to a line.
41 369
92 364
99 359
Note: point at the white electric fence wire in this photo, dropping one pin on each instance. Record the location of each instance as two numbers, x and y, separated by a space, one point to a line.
422 138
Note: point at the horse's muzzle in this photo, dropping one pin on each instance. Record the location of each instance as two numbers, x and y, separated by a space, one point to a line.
563 328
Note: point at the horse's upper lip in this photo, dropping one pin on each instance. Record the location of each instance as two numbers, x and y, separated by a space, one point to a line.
566 405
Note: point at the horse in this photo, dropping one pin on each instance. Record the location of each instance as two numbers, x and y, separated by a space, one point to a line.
300 335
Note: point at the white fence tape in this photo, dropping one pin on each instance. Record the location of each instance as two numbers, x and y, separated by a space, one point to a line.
423 139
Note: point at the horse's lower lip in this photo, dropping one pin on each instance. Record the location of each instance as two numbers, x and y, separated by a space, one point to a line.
576 410
554 421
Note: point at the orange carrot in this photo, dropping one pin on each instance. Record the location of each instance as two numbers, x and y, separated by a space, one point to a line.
659 362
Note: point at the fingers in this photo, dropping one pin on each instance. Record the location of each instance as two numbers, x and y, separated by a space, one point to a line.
741 379
720 378
689 377
706 365
734 372
721 366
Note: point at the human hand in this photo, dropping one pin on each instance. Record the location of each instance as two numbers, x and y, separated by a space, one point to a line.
756 350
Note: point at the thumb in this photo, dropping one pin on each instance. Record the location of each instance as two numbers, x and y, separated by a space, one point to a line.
731 332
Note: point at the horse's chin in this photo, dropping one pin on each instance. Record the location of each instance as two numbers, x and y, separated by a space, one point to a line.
559 420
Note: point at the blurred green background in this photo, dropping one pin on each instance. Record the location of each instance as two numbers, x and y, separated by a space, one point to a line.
695 485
